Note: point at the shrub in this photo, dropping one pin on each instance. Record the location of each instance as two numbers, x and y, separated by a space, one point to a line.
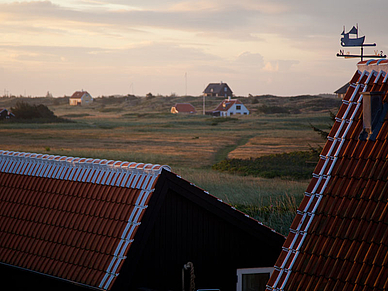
272 109
295 165
39 113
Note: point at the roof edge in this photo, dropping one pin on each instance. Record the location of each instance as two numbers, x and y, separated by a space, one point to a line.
99 171
70 282
219 203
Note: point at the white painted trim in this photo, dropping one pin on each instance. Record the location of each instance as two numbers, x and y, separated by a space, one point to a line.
261 270
121 249
95 171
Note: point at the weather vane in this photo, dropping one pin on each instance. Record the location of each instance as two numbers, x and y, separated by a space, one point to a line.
351 39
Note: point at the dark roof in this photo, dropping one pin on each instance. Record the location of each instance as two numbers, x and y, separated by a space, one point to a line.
339 238
226 104
343 89
185 108
216 88
76 219
79 94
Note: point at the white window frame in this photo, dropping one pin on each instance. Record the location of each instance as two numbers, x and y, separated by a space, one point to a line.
241 272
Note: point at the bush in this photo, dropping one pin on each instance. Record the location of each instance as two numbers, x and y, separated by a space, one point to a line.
39 113
297 165
272 109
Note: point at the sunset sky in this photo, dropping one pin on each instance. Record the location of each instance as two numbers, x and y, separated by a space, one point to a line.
111 47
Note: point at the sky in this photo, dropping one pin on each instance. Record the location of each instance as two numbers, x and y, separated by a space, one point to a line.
109 47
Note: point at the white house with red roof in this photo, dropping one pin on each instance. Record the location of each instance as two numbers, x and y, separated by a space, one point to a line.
81 98
230 107
5 114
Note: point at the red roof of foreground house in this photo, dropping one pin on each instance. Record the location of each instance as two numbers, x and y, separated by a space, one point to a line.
339 238
71 218
185 108
227 104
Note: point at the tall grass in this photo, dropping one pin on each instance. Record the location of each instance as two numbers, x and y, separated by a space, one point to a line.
271 201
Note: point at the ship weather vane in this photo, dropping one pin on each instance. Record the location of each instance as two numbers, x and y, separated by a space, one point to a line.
351 39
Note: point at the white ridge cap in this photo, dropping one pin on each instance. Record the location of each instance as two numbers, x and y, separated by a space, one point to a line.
106 169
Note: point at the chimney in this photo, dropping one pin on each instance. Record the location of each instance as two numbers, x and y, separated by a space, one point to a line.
371 107
373 114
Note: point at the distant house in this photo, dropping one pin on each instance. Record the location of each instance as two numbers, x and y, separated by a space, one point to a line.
339 237
342 91
185 108
5 114
218 89
81 98
229 107
81 224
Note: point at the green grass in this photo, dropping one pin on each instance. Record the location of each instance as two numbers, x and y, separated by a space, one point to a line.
294 165
271 201
278 214
76 115
222 153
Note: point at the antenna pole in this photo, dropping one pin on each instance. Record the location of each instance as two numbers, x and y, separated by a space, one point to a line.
357 34
186 84
203 104
362 53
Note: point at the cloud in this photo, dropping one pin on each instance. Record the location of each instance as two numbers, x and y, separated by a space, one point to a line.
152 53
271 67
182 16
279 65
236 35
250 59
245 41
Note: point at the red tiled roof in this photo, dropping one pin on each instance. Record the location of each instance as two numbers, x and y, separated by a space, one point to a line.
185 108
226 104
78 94
339 238
71 218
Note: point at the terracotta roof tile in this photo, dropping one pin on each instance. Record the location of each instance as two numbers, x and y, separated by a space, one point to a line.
339 237
55 224
184 108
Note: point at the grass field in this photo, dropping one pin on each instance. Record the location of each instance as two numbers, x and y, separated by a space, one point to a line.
143 130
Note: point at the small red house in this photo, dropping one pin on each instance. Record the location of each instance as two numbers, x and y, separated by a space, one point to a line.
338 240
80 98
184 108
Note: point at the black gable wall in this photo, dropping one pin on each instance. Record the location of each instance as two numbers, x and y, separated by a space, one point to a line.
188 230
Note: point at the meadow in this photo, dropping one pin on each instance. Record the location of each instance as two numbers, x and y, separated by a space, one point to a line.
143 130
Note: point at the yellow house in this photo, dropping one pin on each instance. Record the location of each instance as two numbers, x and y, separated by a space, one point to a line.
81 98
